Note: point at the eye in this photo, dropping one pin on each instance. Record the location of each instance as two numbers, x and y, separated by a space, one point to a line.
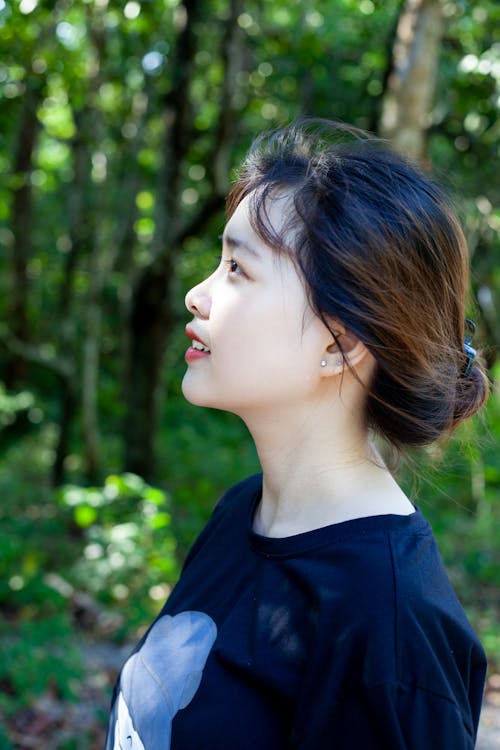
233 266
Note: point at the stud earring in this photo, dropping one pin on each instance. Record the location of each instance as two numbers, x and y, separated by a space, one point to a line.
339 362
323 363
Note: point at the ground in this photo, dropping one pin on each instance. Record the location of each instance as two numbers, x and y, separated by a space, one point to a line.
489 728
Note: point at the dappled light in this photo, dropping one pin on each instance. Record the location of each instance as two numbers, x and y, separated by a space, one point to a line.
121 125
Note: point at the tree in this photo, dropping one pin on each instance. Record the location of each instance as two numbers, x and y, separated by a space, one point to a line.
138 115
151 316
411 83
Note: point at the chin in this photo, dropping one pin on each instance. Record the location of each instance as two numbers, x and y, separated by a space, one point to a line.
189 392
196 397
193 393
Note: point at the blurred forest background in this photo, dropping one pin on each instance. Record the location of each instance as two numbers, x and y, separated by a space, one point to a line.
120 125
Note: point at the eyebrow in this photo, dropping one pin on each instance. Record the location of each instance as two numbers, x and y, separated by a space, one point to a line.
236 244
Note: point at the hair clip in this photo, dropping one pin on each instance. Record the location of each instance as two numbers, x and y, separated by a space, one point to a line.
468 349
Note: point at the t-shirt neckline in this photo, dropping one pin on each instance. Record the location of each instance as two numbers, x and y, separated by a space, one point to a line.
354 530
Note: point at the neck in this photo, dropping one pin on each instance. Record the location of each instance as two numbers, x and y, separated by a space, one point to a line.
319 471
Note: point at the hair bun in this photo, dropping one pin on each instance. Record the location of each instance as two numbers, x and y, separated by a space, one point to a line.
471 393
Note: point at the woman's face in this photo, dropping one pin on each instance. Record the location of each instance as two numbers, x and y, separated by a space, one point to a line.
265 343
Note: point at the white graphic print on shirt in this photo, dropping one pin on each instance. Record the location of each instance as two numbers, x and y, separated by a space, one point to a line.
159 680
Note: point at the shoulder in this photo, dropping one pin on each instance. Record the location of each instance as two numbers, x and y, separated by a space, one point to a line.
375 562
246 489
393 566
231 512
390 627
386 597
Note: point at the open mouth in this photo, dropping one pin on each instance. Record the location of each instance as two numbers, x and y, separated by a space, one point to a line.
199 346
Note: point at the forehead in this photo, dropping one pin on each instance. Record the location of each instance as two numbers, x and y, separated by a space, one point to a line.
240 225
265 218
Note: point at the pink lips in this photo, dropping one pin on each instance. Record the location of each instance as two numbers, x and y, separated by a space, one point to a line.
192 355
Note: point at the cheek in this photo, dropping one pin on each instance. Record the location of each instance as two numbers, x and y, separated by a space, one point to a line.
262 352
249 332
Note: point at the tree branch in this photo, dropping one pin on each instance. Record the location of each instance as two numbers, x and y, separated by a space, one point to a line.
36 354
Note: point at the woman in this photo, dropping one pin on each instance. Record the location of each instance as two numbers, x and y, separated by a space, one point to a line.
313 611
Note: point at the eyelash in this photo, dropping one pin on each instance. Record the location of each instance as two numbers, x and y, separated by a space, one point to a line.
230 262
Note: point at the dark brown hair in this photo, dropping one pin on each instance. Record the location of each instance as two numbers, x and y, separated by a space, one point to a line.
380 250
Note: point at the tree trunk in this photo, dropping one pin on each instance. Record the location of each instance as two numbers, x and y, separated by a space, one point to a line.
90 374
151 317
22 221
150 323
130 182
78 230
67 408
84 239
101 260
411 85
150 311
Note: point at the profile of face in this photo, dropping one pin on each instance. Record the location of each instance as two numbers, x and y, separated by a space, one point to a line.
265 342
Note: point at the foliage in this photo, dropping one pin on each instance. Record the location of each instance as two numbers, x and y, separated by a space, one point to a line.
11 405
38 656
126 532
90 85
70 559
98 74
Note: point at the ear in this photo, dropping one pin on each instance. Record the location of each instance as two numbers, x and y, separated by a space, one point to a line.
348 351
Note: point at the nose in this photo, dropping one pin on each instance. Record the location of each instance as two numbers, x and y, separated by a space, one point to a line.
198 300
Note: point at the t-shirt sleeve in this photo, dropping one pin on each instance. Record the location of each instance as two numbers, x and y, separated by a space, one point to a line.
390 716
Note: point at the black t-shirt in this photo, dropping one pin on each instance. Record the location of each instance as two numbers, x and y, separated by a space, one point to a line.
347 637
